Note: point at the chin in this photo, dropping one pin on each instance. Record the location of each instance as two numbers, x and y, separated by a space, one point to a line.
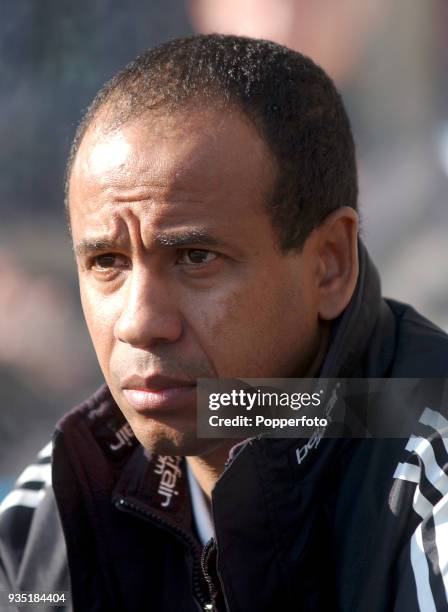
161 439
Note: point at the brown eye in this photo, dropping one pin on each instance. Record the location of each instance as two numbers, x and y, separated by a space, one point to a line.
104 261
196 257
109 261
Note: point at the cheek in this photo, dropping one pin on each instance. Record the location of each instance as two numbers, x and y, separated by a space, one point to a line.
254 332
100 319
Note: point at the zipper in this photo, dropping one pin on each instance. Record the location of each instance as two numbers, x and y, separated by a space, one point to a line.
125 505
207 551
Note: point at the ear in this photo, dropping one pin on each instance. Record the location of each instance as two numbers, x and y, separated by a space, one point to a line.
336 249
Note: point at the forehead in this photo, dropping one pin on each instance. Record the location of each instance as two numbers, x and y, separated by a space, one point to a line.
213 153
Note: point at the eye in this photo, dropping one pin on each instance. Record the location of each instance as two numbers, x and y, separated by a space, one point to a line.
196 257
109 261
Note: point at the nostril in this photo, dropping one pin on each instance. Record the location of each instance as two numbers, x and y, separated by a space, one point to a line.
147 328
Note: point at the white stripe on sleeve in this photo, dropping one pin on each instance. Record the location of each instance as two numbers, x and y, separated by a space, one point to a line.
22 497
408 472
433 471
437 421
46 451
35 473
441 537
421 573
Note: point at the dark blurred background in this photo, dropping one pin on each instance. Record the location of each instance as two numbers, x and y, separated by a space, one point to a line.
389 60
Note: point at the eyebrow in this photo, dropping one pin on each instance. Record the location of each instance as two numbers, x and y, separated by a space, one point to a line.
91 246
184 238
177 240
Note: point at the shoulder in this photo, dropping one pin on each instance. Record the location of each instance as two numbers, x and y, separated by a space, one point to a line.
421 347
30 532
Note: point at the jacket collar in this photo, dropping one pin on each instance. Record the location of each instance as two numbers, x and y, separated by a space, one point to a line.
102 448
352 331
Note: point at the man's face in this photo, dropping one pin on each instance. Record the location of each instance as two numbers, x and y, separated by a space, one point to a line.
180 272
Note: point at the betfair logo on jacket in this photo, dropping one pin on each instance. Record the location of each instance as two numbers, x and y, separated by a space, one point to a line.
123 437
169 471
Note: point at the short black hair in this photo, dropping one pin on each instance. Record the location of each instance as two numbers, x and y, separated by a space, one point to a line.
290 100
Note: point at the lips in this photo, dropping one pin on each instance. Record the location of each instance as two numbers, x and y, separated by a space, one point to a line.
158 392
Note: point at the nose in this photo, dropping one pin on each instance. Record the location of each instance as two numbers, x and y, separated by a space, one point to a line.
149 315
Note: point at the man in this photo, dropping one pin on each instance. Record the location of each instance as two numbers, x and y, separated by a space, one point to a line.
212 198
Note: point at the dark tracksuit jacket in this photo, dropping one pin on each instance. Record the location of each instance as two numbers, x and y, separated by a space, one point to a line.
355 526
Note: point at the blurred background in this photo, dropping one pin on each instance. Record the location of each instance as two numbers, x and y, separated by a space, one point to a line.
390 61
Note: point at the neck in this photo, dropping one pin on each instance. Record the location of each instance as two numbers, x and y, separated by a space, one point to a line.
320 351
208 468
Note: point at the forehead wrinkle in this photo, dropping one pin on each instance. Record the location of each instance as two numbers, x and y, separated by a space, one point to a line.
133 225
112 233
167 181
